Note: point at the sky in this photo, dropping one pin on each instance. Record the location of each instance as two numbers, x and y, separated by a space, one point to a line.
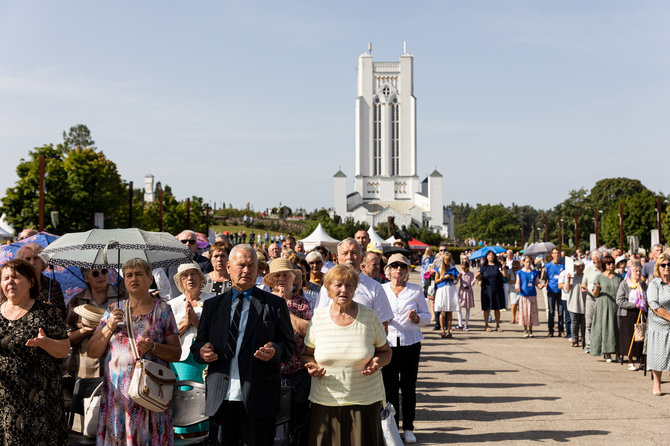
253 101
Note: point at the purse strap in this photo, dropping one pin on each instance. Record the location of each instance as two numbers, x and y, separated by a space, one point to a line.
131 331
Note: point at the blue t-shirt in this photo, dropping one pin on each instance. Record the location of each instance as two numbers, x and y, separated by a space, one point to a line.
553 271
453 272
527 282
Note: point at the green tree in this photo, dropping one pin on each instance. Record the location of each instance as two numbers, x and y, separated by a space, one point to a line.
607 193
78 184
78 136
493 223
579 203
639 218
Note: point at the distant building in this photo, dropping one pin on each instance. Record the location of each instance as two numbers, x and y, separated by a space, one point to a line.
149 192
386 183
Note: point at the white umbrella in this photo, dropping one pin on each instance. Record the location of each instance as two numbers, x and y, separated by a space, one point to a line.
111 248
539 248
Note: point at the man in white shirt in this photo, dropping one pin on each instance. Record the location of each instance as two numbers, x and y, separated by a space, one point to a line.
369 292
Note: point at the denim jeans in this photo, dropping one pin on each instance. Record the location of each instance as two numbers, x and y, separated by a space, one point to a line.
554 300
568 319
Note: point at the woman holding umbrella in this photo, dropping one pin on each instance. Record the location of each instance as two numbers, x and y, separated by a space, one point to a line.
493 294
157 339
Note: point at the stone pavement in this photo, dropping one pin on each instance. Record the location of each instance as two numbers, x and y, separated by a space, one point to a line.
504 389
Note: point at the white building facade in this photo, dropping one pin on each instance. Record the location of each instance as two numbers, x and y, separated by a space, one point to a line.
386 182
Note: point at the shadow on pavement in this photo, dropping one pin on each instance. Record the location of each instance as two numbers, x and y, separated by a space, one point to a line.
471 372
532 435
482 415
497 399
487 385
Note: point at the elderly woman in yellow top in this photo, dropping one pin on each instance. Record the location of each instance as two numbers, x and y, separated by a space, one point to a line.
345 346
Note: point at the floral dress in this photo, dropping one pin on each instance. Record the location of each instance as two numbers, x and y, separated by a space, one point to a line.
31 395
121 421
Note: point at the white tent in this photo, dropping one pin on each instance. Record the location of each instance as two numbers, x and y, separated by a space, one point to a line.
390 240
6 229
376 238
319 237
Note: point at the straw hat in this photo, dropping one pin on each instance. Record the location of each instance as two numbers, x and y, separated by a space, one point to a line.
186 267
279 265
90 315
396 258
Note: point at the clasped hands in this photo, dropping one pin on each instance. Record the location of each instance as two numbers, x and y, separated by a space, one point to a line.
265 353
317 371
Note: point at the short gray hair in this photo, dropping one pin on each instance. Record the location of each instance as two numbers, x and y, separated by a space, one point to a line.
313 256
187 232
244 247
137 263
350 241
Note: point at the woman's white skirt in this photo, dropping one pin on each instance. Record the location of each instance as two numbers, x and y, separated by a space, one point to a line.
446 298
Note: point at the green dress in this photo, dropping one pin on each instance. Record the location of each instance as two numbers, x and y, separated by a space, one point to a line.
605 325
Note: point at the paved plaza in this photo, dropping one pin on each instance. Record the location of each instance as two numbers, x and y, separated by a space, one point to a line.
502 388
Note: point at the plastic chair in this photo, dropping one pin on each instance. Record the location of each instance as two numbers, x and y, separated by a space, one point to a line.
83 388
188 409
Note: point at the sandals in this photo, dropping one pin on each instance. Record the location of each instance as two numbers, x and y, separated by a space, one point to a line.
499 330
575 344
487 328
443 335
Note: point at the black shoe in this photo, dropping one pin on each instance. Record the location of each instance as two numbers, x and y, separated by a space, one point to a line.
551 334
561 334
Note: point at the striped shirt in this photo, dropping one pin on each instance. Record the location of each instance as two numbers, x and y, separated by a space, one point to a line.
344 352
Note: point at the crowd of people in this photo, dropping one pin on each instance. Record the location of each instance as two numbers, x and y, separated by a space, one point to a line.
342 330
599 300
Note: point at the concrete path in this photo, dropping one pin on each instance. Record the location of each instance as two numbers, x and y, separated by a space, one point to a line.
502 388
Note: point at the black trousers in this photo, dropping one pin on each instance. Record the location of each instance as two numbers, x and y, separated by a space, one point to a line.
400 375
233 426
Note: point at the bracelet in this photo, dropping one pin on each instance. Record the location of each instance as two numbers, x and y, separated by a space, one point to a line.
153 347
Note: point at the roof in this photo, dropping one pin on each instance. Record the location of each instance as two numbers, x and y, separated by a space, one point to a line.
436 174
339 174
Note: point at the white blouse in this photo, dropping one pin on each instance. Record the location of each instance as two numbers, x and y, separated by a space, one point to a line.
410 298
178 306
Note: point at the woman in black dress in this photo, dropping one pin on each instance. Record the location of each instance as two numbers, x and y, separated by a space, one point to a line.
32 338
493 294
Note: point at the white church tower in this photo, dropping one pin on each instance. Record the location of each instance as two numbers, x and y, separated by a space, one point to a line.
386 182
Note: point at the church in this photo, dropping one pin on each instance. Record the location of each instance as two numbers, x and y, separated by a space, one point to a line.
386 183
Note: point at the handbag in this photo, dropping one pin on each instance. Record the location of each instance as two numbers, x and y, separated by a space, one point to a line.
151 384
389 428
89 427
640 328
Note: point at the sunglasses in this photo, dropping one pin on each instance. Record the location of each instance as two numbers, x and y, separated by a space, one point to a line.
443 250
664 265
190 242
97 272
398 265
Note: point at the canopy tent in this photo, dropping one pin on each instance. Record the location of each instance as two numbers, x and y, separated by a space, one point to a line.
417 245
319 237
6 230
376 238
390 240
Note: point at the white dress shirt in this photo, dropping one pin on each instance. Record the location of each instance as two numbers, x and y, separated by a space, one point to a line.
368 292
410 298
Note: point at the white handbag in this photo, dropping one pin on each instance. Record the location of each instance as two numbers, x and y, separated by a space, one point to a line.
89 427
389 428
151 384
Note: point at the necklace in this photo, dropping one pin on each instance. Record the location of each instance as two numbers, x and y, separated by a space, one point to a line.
12 318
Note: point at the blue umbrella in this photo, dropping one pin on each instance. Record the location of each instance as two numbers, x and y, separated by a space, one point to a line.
482 252
70 278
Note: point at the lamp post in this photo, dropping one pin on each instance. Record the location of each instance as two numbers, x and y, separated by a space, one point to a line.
658 219
546 228
576 232
596 224
621 225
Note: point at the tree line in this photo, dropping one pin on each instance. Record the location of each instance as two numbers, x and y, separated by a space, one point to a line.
496 223
81 181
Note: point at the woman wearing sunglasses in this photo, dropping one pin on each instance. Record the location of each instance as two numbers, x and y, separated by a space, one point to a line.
98 293
658 334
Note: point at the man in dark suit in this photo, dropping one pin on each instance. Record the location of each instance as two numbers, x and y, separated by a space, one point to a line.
244 335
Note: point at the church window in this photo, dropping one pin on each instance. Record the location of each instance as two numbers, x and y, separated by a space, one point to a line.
385 90
395 140
377 138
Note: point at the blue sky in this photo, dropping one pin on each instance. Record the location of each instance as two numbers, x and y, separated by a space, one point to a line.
517 101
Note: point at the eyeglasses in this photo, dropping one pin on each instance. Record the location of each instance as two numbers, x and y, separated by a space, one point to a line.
664 265
397 265
97 272
190 242
442 250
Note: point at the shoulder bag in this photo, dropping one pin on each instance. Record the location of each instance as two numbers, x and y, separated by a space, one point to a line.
89 426
151 384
